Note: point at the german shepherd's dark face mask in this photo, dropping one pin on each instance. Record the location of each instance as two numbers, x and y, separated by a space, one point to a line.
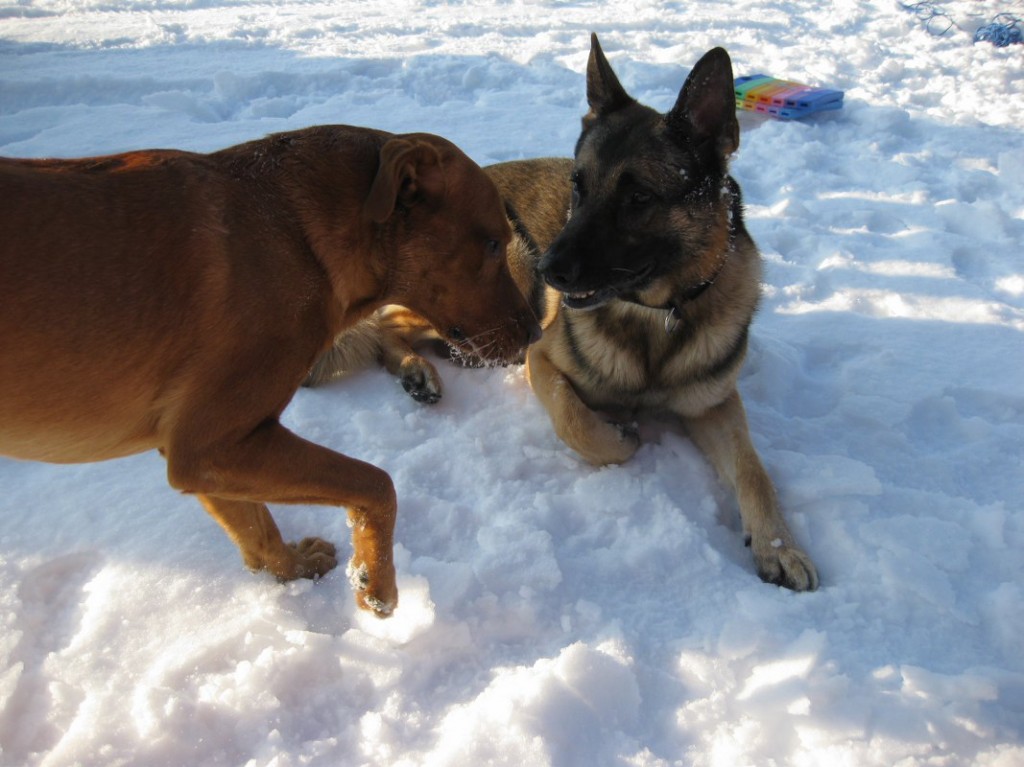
652 202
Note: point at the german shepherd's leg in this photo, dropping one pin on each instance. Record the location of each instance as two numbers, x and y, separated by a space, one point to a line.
597 440
272 465
723 435
385 337
399 330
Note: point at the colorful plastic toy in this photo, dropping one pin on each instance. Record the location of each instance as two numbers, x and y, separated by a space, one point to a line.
784 99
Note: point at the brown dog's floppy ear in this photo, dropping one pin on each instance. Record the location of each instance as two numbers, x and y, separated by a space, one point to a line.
406 170
706 107
604 91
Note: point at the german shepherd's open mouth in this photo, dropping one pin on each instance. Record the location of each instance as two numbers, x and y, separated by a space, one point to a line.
626 290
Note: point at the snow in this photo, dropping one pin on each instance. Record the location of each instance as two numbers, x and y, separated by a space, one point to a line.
552 613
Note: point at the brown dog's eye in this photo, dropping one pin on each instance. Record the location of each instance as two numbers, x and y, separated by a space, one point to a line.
493 248
640 199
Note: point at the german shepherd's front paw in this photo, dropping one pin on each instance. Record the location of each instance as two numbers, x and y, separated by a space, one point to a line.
420 379
605 443
377 595
314 557
784 564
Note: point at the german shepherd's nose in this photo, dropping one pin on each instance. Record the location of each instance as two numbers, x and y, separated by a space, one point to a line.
559 268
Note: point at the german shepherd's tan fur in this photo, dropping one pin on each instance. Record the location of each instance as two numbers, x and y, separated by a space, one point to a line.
651 287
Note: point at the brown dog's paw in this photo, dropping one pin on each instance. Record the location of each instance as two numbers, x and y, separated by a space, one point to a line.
314 557
420 379
379 607
785 565
380 599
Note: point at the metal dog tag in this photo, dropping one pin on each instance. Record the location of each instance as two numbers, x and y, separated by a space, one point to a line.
671 320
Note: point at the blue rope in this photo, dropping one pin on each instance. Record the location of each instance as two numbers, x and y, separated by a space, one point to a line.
1004 30
936 21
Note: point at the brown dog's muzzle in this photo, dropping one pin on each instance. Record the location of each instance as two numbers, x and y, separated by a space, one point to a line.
500 346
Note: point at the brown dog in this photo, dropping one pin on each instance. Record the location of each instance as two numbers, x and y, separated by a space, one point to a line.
169 300
646 294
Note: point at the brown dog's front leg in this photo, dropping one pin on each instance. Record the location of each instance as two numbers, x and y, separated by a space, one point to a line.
253 530
723 435
272 465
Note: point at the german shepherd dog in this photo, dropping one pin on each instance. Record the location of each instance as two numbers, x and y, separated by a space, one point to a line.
646 293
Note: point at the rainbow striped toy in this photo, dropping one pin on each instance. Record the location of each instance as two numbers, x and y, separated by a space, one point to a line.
782 98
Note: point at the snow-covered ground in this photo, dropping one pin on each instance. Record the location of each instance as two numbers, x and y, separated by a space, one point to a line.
553 613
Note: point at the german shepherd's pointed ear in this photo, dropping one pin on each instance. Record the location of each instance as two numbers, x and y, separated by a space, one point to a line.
706 107
604 92
408 170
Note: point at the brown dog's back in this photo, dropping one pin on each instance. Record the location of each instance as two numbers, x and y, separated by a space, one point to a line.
93 313
71 308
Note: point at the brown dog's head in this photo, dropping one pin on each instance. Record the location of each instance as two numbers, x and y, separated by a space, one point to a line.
653 206
443 224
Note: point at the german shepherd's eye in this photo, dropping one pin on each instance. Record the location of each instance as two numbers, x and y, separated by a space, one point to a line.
493 248
639 199
577 188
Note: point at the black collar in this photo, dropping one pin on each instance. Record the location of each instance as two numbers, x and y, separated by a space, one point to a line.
675 306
